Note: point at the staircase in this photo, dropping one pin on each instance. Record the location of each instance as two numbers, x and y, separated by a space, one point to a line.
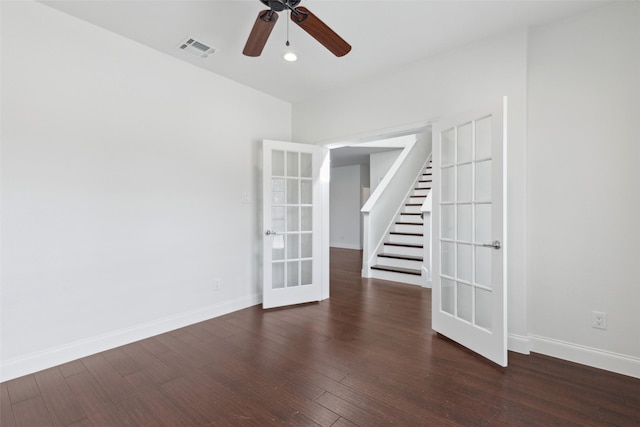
402 253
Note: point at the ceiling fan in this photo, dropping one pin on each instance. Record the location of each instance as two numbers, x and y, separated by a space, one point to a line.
301 16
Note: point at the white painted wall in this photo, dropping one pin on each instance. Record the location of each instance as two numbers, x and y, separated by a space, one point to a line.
584 182
467 78
379 164
122 174
345 203
573 195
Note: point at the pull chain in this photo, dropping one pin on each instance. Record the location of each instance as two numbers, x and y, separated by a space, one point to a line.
287 44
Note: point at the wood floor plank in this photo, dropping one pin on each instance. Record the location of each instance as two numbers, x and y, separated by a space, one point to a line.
72 368
154 346
32 413
23 388
62 404
85 422
116 387
6 411
365 357
353 412
121 361
153 371
96 403
213 402
269 390
137 413
343 422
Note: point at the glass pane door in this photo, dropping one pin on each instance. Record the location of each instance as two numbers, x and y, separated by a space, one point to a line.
292 219
469 292
465 222
291 214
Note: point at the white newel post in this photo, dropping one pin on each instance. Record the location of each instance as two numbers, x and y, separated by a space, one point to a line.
426 258
366 252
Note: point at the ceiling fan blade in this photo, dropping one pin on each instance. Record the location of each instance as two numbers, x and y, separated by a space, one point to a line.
265 22
320 31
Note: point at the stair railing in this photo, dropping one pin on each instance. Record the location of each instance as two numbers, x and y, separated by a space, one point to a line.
386 201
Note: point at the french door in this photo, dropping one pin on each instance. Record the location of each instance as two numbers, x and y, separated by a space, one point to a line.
469 278
291 220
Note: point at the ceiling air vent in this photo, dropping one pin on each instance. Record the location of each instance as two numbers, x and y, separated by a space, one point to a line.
196 48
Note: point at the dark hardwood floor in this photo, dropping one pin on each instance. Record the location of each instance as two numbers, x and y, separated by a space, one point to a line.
366 357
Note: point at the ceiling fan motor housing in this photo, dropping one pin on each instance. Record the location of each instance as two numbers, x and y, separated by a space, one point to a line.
280 5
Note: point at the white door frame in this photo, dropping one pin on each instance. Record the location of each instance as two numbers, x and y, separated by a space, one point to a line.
325 175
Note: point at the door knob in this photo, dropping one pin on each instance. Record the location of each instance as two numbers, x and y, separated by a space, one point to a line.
269 232
495 244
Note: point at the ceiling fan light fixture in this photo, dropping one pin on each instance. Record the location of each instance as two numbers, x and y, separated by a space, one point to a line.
290 56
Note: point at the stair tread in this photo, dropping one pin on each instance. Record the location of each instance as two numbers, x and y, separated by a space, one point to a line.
413 204
409 223
406 257
397 269
404 245
410 213
402 233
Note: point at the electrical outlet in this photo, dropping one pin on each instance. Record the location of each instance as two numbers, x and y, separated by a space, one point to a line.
598 320
216 284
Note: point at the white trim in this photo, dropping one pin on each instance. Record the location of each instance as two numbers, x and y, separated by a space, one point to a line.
518 343
345 246
391 132
602 359
426 275
404 279
325 185
34 362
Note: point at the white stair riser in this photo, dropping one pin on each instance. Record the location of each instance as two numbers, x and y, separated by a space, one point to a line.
411 209
413 199
421 192
402 250
404 228
410 240
402 263
410 279
410 218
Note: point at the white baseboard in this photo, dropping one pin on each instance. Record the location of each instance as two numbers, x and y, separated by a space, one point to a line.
614 362
391 276
426 278
345 246
34 362
518 343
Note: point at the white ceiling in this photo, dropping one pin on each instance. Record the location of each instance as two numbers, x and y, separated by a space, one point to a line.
385 35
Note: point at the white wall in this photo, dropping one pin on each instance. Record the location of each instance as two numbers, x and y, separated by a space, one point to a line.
345 204
379 164
584 181
573 195
467 78
122 174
